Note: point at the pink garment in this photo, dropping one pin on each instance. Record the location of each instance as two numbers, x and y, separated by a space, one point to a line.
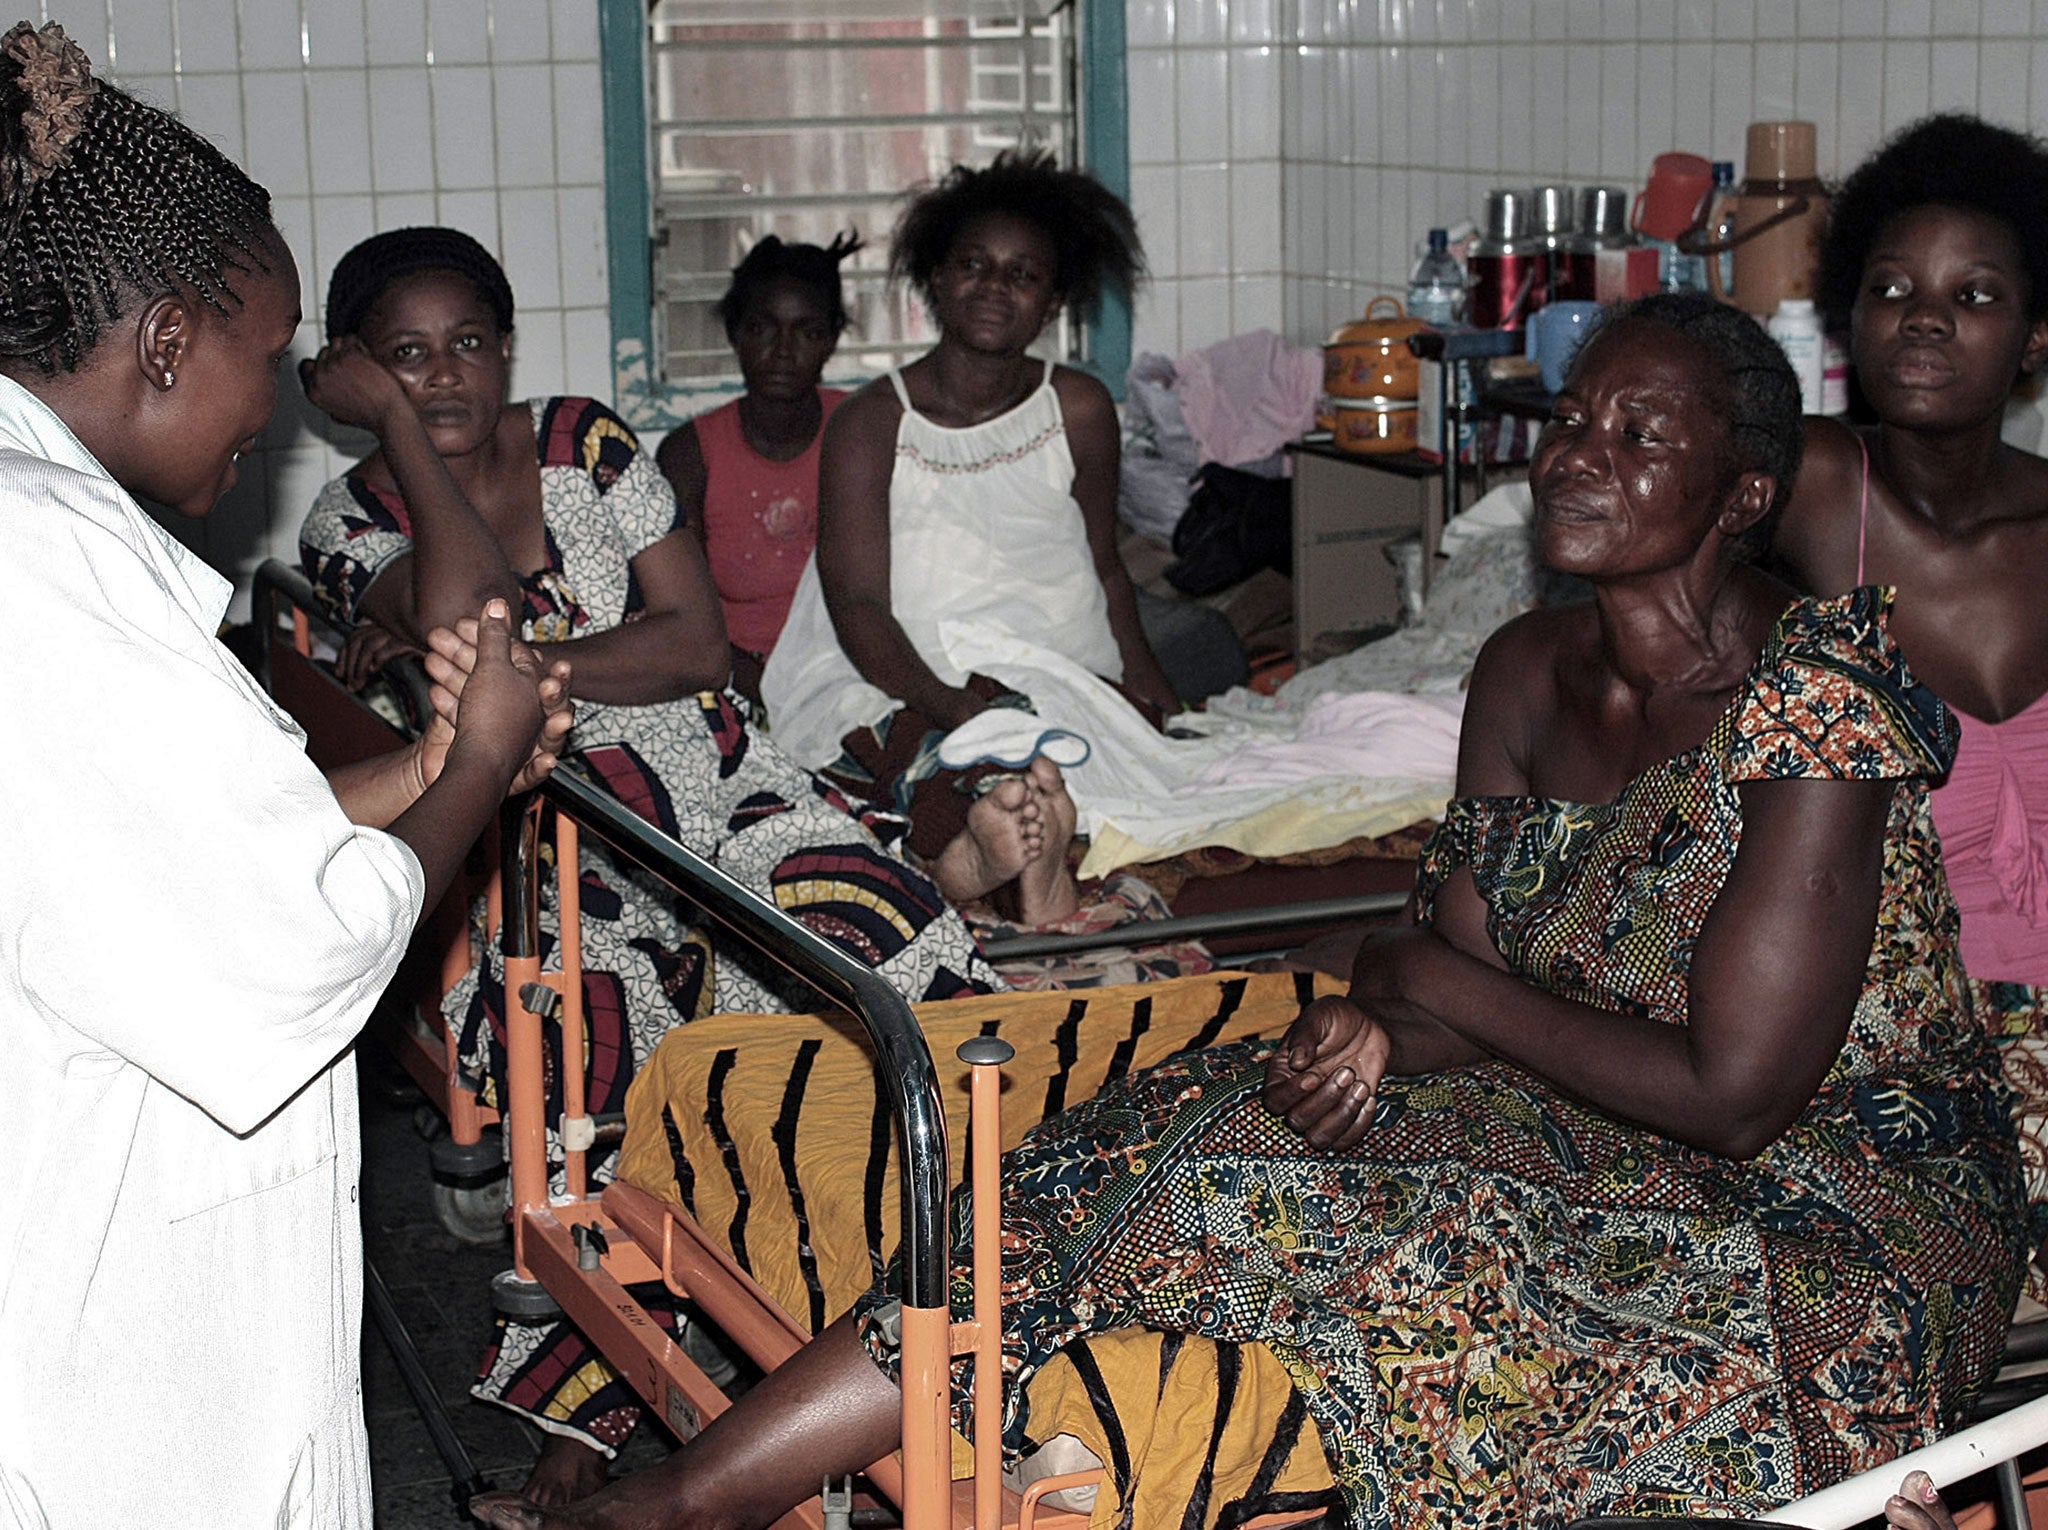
1992 817
760 523
1246 397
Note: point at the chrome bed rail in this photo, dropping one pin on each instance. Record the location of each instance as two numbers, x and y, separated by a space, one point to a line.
905 1061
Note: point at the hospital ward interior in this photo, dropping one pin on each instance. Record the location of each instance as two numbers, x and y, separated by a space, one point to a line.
1025 764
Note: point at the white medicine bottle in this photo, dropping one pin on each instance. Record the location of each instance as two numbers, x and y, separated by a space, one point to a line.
1797 329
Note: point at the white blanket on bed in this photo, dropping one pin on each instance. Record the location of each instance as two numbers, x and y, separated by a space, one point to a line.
1270 784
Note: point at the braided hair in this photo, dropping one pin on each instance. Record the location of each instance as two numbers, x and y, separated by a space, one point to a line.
806 265
1759 392
366 273
1094 237
105 202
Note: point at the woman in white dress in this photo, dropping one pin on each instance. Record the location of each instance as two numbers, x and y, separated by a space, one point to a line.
971 494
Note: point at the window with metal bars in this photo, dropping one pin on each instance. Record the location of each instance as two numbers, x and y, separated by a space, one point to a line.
802 118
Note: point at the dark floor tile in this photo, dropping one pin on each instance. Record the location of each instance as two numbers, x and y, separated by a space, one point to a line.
442 1290
428 1505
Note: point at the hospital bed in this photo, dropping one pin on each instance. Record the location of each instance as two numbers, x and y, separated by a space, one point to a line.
583 1250
578 1253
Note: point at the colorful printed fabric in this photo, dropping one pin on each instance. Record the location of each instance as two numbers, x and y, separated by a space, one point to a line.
1505 1308
2016 1016
692 768
1120 899
776 1141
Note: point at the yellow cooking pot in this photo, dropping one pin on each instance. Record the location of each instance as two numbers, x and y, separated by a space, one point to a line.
1370 426
1369 357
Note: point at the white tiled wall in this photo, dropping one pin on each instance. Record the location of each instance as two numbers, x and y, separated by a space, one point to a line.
1206 108
1400 114
363 115
1288 154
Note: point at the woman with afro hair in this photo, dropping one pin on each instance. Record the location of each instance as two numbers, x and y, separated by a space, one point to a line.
1937 262
972 489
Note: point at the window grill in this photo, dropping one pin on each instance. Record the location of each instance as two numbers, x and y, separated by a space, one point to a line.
802 118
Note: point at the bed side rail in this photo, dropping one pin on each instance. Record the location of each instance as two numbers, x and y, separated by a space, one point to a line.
899 1042
904 1062
276 591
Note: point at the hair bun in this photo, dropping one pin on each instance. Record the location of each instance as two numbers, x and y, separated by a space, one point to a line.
55 80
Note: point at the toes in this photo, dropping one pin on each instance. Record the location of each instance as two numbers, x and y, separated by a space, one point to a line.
505 1511
1009 794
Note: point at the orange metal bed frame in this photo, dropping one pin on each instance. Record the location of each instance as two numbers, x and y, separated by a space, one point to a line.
584 1250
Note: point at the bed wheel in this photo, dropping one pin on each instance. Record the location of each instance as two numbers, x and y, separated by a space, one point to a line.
472 1214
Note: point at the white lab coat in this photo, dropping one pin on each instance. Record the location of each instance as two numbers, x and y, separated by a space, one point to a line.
191 932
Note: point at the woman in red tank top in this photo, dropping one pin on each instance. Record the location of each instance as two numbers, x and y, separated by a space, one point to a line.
746 474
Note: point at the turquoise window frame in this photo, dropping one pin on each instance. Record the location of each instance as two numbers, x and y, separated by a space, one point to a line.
639 393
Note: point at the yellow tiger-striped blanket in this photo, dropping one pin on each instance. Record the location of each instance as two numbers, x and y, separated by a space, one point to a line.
770 1132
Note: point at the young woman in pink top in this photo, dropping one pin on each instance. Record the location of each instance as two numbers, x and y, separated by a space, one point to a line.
1937 259
746 474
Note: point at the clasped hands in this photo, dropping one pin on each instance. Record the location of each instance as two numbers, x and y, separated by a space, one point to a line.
494 694
1325 1077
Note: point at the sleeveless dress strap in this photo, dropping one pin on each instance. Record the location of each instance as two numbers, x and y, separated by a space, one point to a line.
1863 512
902 393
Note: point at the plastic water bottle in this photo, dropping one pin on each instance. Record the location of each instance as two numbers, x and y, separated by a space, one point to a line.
1796 328
1718 223
1436 288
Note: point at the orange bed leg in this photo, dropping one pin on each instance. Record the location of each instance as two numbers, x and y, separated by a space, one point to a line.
986 1055
526 1105
569 897
927 1422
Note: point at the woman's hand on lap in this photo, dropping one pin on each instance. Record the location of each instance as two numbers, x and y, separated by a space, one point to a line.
351 387
368 649
1324 1080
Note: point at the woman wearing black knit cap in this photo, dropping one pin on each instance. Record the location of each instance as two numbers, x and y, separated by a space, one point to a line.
551 504
193 923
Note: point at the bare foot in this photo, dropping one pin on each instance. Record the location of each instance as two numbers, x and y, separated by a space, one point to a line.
567 1470
1045 888
508 1511
1005 833
1918 1506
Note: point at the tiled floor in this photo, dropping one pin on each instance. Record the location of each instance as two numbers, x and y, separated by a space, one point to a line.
442 1292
